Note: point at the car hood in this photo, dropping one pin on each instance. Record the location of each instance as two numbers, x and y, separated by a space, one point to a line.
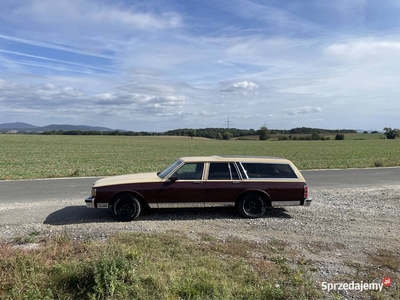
126 179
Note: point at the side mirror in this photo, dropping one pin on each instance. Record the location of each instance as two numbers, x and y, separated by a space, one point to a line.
173 178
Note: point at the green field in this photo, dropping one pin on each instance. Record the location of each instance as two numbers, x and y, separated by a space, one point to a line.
39 156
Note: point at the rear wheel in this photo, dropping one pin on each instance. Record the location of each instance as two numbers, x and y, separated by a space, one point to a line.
126 207
252 205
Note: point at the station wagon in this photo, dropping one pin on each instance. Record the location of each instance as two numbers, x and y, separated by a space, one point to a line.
251 184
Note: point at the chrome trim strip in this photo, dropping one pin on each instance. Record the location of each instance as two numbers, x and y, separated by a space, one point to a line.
272 179
191 204
242 169
180 204
237 170
153 205
285 203
219 204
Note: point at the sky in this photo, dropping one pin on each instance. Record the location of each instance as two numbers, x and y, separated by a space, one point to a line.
158 65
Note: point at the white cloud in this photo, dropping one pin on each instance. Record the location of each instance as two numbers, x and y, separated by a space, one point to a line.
362 49
240 86
268 14
245 85
301 110
89 13
54 60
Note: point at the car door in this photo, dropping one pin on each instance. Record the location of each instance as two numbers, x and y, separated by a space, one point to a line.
186 189
223 184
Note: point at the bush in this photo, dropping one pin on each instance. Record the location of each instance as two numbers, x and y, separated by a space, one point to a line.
264 133
390 133
226 135
315 136
339 137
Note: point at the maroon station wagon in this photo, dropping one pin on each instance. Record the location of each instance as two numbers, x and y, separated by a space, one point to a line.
250 184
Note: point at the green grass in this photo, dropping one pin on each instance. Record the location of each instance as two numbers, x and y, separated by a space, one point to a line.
162 266
36 156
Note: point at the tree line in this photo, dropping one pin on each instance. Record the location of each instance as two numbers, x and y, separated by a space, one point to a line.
97 132
227 133
211 133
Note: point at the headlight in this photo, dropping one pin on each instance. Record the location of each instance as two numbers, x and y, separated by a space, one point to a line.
93 192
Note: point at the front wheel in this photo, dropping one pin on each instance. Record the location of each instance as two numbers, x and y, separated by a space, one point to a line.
252 205
126 208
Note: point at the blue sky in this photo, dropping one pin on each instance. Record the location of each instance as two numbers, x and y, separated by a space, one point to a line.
157 65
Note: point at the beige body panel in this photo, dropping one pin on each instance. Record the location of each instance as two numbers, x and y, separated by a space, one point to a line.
130 178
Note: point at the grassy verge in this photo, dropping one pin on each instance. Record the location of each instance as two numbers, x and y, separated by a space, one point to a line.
164 266
35 156
171 266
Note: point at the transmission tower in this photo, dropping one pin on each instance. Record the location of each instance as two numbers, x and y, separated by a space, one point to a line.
228 123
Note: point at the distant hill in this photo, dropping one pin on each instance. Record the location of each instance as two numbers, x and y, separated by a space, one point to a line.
18 126
74 127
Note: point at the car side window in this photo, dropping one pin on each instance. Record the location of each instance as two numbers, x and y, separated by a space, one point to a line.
255 170
284 171
190 171
222 171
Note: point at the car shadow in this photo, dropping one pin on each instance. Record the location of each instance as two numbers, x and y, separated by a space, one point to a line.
82 215
77 215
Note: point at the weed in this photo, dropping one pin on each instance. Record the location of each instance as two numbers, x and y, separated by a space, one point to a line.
28 239
76 173
378 163
279 260
205 237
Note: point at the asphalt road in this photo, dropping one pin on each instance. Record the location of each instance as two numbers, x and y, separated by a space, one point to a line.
23 191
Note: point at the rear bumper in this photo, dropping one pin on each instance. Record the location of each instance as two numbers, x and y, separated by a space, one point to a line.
307 202
89 200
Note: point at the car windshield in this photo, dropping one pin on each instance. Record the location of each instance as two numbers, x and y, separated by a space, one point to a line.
169 169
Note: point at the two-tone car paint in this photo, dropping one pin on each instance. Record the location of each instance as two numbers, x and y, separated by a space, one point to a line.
154 191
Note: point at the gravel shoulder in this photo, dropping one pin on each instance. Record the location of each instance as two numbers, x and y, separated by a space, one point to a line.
339 234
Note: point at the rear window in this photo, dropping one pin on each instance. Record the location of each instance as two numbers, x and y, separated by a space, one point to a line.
264 170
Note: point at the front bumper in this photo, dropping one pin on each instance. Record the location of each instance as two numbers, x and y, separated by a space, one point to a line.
307 202
89 200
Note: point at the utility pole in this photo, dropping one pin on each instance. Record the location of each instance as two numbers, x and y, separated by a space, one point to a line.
228 123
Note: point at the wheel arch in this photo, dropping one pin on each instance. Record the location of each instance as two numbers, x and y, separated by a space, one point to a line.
257 191
139 197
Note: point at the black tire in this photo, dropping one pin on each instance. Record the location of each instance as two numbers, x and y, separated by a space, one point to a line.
252 205
126 207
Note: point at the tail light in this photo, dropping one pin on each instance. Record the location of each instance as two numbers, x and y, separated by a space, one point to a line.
305 192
